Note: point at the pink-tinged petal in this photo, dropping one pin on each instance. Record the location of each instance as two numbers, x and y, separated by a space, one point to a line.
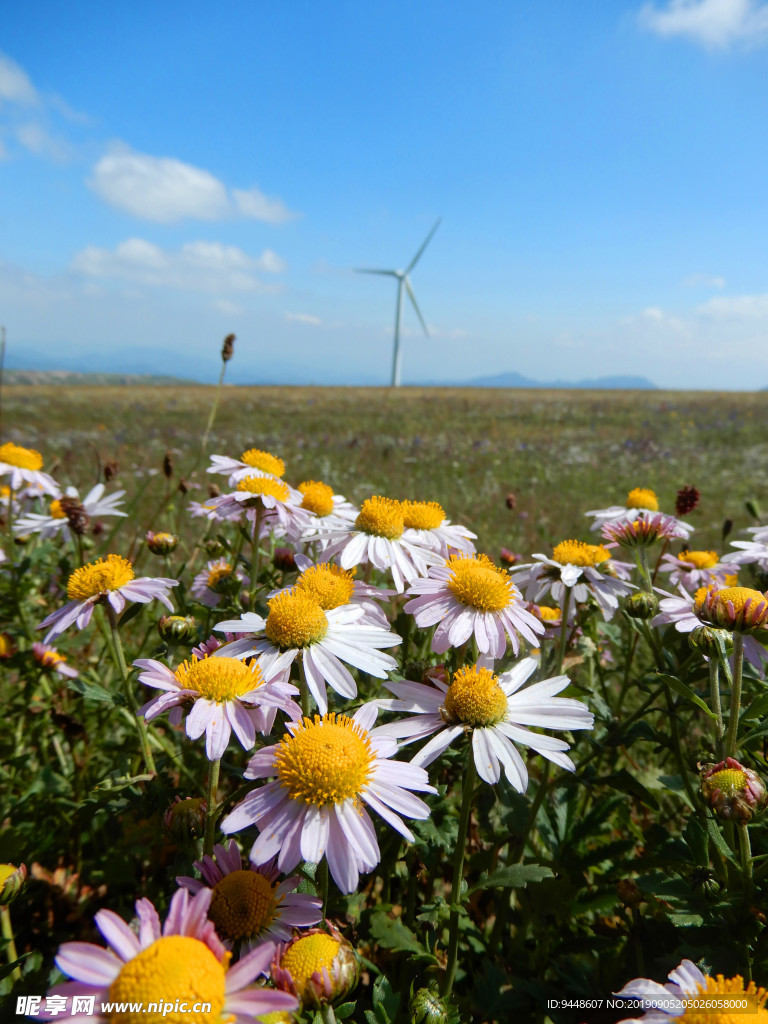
241 723
387 814
507 753
486 761
199 717
262 764
341 860
314 834
398 799
60 620
229 857
249 967
332 669
149 923
316 684
358 828
83 961
255 1003
365 716
260 807
117 933
192 885
432 750
416 697
403 775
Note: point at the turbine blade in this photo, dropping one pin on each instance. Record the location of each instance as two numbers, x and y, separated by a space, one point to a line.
415 304
424 245
366 270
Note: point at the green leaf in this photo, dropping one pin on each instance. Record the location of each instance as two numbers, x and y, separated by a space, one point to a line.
91 691
717 839
6 969
345 1010
685 691
758 707
514 876
391 933
385 1000
697 839
627 783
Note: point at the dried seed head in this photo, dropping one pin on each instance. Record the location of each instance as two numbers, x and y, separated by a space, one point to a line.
228 348
686 501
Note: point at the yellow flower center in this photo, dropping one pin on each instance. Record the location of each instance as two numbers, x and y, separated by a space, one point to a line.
475 698
643 497
576 552
422 515
176 967
6 870
738 596
475 581
330 585
318 497
701 559
264 461
99 577
730 780
730 1010
277 1017
701 596
295 620
219 679
48 659
56 511
382 517
25 458
309 956
218 574
243 904
6 645
257 485
547 614
325 761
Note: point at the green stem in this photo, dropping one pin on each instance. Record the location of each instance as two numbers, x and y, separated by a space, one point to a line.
563 632
214 408
677 747
210 805
133 704
322 884
10 950
468 786
255 557
745 853
641 554
327 1015
714 692
733 710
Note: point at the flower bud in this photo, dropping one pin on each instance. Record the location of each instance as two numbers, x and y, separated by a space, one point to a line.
737 608
704 882
629 893
734 792
284 559
168 465
111 469
707 640
214 547
161 543
317 967
7 645
184 821
511 501
753 508
427 1007
642 605
11 880
177 629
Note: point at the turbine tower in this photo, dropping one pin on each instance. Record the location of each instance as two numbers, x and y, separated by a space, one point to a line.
403 282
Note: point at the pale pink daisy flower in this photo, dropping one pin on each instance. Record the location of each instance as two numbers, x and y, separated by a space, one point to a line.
326 770
24 466
332 511
378 536
471 596
218 579
250 905
694 569
750 551
206 510
226 695
495 710
49 658
576 568
272 501
426 525
182 960
641 503
730 997
332 587
297 626
108 581
644 530
66 508
253 462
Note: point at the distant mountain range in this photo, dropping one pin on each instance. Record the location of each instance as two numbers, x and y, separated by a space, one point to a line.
515 380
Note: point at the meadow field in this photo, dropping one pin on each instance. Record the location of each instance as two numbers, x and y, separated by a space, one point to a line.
528 884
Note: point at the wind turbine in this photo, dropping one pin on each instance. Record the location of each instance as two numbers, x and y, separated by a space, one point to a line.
403 282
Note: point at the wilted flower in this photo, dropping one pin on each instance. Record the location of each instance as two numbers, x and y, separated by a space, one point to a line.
734 792
318 968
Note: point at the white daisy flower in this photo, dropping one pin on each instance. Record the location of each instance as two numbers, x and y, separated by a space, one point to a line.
378 536
583 569
253 462
332 587
326 770
495 710
24 466
332 511
665 1003
278 505
471 596
67 508
215 581
225 694
108 580
49 658
641 502
298 626
694 569
426 525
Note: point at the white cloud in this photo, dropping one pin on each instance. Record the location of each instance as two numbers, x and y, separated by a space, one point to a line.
200 266
704 281
712 23
253 203
304 318
227 307
39 141
15 86
164 190
736 307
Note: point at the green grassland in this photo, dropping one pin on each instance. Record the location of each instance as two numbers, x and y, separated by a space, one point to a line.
559 452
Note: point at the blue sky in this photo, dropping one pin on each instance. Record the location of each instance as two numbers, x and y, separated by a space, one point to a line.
173 172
